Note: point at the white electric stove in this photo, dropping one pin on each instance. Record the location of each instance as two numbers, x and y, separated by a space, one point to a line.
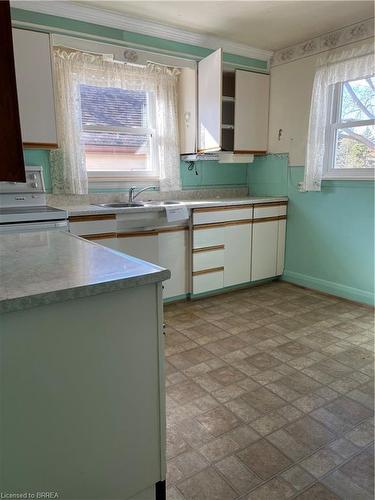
23 206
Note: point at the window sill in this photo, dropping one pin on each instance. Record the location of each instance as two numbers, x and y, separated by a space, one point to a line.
347 178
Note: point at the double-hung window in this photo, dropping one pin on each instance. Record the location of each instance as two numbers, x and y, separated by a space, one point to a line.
350 131
118 131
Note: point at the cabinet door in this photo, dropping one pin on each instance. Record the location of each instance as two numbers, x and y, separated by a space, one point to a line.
108 242
12 166
173 255
210 77
142 245
251 112
34 86
281 247
237 254
264 252
187 110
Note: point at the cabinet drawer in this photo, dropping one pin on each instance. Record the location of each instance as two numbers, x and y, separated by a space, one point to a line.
92 225
222 214
208 281
208 259
208 237
269 210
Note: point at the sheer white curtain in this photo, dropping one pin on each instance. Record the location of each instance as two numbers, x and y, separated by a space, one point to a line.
73 68
347 64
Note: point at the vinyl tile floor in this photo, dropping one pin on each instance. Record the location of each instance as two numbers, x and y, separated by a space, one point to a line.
269 396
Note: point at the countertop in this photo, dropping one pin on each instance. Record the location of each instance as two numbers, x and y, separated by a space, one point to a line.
93 209
39 268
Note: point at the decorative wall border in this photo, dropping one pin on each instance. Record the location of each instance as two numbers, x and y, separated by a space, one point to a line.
331 40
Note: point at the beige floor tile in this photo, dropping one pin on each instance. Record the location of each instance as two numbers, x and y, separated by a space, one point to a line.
218 421
237 474
318 492
363 434
264 459
263 400
282 371
298 478
321 462
189 463
206 485
276 489
218 448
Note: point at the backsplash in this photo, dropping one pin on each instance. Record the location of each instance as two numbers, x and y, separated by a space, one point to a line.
186 194
207 176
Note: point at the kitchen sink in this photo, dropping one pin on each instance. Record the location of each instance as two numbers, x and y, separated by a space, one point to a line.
158 202
118 205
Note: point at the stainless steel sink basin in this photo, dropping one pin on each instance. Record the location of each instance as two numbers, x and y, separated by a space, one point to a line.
118 205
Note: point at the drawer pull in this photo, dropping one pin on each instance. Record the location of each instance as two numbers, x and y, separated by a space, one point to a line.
208 249
207 271
99 236
208 225
269 219
90 218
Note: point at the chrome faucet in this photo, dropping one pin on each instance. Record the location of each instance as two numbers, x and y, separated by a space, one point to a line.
133 194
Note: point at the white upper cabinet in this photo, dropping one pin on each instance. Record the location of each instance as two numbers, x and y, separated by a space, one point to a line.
251 112
187 110
233 108
210 70
32 56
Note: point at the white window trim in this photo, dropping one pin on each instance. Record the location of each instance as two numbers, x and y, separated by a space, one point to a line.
329 172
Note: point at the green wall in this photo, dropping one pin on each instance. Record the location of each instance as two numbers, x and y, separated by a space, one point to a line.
330 234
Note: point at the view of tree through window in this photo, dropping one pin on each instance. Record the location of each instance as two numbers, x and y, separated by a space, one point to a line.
116 130
355 137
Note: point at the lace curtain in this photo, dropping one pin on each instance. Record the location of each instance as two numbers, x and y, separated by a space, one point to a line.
348 64
73 68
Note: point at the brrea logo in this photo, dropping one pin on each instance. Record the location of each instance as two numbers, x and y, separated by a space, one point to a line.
29 496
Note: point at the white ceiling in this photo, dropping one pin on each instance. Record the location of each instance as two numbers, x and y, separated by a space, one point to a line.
264 24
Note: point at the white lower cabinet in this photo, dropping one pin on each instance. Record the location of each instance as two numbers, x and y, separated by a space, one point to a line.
141 245
263 262
237 254
173 250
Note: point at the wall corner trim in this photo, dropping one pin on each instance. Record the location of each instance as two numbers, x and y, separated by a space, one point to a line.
330 287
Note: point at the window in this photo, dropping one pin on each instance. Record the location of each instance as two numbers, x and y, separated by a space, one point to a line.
351 129
117 132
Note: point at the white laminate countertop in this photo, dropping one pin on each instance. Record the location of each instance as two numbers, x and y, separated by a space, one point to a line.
38 268
214 202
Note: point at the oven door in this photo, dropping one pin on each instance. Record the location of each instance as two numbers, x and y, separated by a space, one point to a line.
61 225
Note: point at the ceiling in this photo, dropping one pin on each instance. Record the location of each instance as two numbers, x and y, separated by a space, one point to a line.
264 24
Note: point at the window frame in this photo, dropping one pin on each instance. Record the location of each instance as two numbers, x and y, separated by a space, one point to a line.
332 126
124 175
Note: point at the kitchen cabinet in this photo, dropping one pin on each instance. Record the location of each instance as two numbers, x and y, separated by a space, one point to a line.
232 108
12 163
140 244
210 71
269 227
221 247
89 417
173 254
251 111
187 110
33 64
166 246
237 261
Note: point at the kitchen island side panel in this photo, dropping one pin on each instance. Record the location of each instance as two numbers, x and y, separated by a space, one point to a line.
81 413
